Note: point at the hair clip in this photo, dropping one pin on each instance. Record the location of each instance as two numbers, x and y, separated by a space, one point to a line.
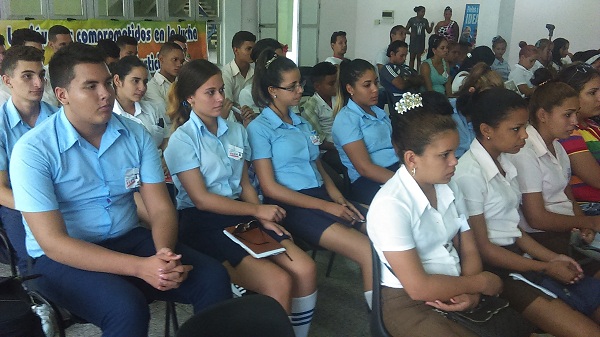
469 55
270 61
186 104
408 101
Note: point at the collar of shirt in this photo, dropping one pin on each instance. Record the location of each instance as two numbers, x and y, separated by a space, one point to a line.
379 113
539 146
118 109
235 69
321 101
276 122
14 118
444 193
523 68
160 79
199 124
70 136
489 168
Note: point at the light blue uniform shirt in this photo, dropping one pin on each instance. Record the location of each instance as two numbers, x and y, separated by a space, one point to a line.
466 134
290 148
352 123
54 168
12 128
220 158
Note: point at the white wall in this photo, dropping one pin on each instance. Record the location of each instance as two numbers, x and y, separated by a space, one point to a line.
338 15
516 20
577 21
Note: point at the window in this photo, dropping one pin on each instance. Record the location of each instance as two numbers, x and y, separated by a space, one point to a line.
111 8
69 8
145 8
25 8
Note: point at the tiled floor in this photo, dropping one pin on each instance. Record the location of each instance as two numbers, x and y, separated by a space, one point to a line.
341 309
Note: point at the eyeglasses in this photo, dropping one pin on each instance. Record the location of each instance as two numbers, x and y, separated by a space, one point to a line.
582 68
293 87
243 227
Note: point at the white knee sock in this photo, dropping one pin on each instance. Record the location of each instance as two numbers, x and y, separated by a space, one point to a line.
302 313
369 298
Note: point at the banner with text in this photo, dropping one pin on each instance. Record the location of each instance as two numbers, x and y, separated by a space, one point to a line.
469 27
150 35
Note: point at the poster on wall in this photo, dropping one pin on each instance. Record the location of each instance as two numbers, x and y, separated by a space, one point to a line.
150 35
469 27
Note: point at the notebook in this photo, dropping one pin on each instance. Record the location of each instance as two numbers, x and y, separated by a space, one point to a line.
255 241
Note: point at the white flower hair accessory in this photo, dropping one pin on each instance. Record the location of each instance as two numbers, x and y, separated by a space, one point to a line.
408 101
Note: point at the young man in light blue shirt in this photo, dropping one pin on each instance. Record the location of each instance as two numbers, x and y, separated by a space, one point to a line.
23 74
74 178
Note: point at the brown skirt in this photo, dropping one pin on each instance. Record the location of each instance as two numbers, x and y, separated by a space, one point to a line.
403 316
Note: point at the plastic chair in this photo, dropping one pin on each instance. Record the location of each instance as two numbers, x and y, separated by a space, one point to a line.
248 316
377 325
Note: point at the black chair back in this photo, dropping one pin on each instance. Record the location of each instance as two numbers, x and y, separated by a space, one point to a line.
377 325
247 316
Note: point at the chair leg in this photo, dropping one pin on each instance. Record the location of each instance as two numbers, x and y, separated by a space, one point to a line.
330 264
170 315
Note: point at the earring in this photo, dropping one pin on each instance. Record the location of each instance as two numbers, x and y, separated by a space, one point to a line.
274 96
414 171
488 137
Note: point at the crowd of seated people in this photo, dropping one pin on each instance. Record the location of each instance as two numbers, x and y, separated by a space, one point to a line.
112 176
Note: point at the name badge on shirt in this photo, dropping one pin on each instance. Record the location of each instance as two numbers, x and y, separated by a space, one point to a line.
132 178
314 138
235 152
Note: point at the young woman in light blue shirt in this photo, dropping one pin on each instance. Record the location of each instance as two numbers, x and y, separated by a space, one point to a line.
207 157
285 154
362 132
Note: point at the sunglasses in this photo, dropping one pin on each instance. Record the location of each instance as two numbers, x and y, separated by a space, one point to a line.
583 68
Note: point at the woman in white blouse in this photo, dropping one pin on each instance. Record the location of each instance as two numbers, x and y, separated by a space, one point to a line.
415 222
488 180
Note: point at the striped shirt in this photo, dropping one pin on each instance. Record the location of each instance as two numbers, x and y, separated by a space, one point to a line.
584 139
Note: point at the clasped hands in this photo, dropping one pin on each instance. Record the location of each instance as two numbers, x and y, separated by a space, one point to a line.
164 270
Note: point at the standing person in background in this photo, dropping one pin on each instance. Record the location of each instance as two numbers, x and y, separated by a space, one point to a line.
435 68
339 45
128 46
500 64
171 59
448 28
417 26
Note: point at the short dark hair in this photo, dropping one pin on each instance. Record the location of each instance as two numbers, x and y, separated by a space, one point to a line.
124 40
322 69
394 46
167 47
262 45
240 37
57 30
109 48
20 36
492 106
19 53
2 40
63 62
335 35
177 37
